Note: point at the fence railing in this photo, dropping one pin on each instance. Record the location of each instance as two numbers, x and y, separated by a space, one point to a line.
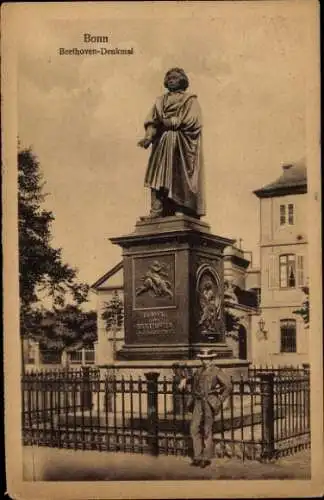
279 371
266 415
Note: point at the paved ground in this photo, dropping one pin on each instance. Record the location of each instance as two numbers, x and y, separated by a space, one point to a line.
50 464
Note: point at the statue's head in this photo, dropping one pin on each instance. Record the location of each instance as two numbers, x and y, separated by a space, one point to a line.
176 79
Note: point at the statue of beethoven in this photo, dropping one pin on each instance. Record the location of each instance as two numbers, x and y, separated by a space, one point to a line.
175 167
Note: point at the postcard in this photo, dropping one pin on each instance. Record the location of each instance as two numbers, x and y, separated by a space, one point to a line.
162 249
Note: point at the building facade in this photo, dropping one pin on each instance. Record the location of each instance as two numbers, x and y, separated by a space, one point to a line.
281 338
109 290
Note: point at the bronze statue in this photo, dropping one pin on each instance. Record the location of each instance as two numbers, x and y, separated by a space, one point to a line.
175 166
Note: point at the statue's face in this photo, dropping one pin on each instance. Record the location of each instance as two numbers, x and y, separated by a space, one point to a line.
174 81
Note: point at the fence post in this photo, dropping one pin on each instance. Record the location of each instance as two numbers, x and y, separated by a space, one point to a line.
86 396
152 412
307 403
267 410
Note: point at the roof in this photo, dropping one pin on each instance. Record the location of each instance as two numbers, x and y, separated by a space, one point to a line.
106 276
293 180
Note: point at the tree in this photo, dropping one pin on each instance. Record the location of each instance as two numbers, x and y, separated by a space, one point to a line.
113 316
304 310
42 272
232 324
64 327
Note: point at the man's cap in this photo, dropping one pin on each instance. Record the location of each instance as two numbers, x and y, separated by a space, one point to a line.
207 354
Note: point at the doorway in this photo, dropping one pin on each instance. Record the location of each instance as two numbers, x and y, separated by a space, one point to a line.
242 343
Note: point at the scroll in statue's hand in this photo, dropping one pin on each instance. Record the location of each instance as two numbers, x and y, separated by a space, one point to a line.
144 143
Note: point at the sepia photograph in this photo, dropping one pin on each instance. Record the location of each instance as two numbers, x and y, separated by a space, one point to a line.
162 252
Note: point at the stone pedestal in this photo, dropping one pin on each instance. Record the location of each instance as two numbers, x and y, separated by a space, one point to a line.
173 289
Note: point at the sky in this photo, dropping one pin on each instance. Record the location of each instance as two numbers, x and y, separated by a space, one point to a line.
83 115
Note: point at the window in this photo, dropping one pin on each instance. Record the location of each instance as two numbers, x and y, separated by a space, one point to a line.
89 356
287 271
30 358
50 357
75 357
287 214
288 335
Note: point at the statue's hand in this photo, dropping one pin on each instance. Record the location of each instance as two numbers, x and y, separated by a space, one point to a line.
144 143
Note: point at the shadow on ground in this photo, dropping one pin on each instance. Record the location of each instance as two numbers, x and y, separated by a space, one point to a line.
48 464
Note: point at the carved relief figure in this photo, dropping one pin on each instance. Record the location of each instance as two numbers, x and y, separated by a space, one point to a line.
209 304
155 281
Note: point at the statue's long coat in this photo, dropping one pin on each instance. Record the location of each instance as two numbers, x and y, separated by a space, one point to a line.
176 162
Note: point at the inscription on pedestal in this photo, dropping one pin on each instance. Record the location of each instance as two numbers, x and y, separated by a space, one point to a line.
153 323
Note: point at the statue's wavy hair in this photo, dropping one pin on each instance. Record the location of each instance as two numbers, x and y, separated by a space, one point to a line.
184 82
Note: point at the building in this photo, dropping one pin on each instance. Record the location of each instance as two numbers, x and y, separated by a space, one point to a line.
109 289
35 357
241 301
281 337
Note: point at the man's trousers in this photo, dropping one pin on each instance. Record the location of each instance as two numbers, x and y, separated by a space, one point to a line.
201 430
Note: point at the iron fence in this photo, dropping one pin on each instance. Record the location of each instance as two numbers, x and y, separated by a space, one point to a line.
266 415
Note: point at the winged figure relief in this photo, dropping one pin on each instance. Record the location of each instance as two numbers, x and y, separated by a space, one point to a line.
209 304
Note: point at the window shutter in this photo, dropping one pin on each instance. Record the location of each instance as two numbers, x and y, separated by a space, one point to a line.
282 215
272 272
300 271
291 214
276 272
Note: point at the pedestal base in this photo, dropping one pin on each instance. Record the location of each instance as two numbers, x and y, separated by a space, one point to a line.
170 352
149 352
233 367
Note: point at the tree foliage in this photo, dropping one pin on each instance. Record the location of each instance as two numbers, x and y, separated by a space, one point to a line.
67 326
304 310
232 324
113 314
42 272
232 321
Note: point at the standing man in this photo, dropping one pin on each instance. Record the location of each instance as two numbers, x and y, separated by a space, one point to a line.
175 167
210 387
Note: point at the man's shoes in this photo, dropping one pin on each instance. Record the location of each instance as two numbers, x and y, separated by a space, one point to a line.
205 463
196 463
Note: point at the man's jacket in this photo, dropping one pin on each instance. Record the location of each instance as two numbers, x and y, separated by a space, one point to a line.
209 385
